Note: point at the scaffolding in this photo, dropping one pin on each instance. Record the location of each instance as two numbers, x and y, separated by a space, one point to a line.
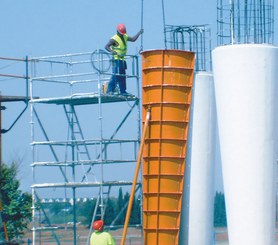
245 21
195 38
84 141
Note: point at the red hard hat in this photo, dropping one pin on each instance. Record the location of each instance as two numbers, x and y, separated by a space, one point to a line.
98 225
121 29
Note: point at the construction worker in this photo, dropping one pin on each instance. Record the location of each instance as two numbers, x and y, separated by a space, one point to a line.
100 237
117 45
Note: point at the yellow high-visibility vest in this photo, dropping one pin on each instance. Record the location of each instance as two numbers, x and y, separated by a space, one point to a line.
121 49
101 238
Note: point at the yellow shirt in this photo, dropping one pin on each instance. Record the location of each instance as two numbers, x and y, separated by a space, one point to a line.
101 238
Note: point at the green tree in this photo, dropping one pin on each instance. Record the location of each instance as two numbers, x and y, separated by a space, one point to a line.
220 219
110 213
120 205
85 211
17 212
57 207
135 212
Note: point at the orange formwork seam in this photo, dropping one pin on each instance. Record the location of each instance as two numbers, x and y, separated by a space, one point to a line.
167 87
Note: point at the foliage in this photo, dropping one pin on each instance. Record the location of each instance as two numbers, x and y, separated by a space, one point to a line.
120 205
115 208
17 212
57 207
110 213
62 212
17 207
135 216
220 219
85 211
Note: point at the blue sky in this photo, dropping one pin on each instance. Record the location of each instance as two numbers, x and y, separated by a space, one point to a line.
52 27
45 27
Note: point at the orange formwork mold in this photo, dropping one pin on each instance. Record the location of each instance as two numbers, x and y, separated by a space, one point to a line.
167 90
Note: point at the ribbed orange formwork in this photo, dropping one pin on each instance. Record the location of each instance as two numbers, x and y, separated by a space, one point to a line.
167 89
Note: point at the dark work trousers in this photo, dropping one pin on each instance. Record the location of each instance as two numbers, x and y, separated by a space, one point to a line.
118 77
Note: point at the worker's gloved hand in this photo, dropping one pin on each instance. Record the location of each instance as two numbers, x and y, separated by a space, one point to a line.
114 53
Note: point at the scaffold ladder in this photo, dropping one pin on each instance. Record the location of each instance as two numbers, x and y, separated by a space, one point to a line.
104 196
77 135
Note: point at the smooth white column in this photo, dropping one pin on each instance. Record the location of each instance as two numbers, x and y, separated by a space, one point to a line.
201 203
246 89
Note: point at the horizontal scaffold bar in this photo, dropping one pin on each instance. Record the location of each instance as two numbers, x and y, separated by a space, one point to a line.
83 99
83 184
81 162
86 141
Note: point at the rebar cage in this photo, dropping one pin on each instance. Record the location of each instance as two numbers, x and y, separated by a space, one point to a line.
195 38
245 21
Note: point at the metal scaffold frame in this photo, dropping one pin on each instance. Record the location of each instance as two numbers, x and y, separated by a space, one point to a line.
81 156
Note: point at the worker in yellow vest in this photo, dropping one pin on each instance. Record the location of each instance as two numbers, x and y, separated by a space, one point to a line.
117 45
100 237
